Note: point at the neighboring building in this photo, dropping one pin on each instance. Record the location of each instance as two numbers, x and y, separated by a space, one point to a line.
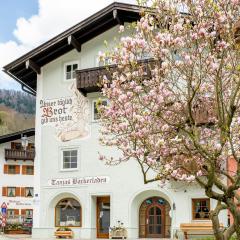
16 174
72 187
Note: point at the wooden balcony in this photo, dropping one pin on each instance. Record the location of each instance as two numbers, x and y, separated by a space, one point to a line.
89 80
25 155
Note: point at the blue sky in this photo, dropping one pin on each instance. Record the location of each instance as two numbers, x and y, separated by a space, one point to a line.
25 24
10 11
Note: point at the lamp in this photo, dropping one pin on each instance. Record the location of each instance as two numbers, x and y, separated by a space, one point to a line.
174 206
24 142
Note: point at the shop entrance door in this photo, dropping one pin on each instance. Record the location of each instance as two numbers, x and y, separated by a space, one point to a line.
155 221
103 217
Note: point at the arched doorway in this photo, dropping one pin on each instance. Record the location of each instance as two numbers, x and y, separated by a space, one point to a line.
154 218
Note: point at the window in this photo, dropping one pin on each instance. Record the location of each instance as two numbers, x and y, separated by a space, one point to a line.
10 213
16 145
11 169
200 208
29 213
96 106
11 192
70 70
70 159
29 170
28 192
103 62
68 213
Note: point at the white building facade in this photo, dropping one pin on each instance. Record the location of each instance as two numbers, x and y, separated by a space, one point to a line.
73 188
16 174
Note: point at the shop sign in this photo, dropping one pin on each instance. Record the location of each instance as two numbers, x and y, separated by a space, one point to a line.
75 181
16 203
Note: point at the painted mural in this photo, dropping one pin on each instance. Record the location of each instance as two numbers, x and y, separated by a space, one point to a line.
68 115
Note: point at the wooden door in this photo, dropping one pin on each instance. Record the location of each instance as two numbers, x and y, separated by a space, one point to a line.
103 217
155 221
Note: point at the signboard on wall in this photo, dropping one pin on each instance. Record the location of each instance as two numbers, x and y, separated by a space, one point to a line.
76 181
68 115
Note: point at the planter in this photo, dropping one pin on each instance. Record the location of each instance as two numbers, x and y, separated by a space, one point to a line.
118 233
15 232
64 234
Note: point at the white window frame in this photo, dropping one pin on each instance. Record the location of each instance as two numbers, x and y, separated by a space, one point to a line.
92 107
65 70
61 159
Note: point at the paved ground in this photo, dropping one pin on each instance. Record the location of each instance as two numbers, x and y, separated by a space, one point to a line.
27 237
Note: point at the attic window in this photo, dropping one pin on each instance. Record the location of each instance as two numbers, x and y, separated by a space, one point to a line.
70 70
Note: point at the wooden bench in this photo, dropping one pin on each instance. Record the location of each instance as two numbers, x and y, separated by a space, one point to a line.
64 234
197 228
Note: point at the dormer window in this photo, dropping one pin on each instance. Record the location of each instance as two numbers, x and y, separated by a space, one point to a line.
70 70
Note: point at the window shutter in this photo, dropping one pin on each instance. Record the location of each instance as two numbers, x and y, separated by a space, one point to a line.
23 212
17 169
4 191
23 191
5 169
18 191
16 212
24 170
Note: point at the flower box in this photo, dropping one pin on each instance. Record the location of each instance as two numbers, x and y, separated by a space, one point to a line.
118 233
64 233
15 232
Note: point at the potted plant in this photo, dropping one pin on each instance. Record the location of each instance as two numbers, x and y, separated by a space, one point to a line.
118 232
64 232
15 228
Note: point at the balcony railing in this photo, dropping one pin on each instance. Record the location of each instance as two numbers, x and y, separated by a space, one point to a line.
13 154
88 80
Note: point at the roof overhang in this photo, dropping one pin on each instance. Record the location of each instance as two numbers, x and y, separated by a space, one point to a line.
25 69
17 135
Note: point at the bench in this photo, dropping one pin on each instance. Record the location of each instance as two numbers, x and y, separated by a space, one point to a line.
64 234
197 228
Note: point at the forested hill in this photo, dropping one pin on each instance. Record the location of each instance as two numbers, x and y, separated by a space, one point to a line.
19 101
17 111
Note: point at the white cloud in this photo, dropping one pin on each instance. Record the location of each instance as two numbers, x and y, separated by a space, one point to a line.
54 16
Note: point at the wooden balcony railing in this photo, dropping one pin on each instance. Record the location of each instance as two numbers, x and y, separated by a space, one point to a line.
88 80
13 154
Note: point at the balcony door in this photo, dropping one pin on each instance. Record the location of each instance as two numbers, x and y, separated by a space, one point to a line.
103 217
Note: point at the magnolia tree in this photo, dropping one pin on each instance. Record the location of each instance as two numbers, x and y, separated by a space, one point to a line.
177 114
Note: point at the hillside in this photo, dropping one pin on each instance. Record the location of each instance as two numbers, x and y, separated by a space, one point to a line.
16 111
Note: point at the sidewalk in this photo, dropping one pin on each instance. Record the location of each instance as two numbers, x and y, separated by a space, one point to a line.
28 237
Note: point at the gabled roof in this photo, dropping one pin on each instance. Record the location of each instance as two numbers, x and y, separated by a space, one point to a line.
25 68
17 135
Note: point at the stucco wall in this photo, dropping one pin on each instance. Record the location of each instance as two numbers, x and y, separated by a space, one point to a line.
125 188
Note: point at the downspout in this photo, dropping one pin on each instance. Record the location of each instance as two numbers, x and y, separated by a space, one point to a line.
25 87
